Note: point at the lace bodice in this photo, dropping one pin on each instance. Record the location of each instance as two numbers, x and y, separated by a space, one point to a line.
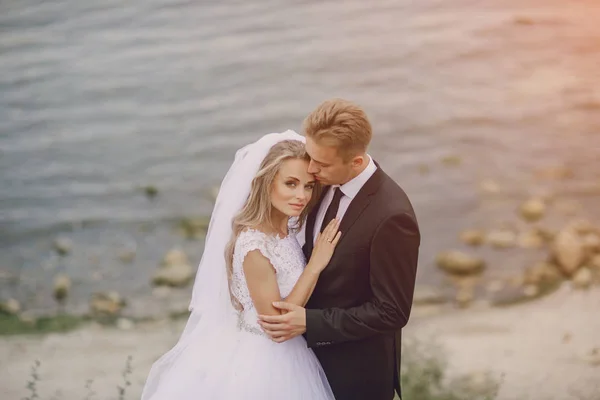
285 254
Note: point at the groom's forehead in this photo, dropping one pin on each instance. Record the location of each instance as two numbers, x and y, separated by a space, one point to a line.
321 153
324 159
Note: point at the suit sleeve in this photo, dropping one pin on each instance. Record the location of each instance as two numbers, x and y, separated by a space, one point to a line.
393 259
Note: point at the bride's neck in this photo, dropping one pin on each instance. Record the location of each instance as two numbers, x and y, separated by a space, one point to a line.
279 221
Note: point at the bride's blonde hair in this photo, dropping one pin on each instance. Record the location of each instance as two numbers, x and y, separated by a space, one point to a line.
257 209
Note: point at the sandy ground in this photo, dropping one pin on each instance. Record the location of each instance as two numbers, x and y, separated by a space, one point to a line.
541 350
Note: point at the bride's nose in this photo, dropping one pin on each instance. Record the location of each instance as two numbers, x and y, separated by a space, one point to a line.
301 193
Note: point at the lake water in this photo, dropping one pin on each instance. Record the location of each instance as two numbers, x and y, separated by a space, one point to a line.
99 98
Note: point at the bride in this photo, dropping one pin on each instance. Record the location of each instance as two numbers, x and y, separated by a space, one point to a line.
251 259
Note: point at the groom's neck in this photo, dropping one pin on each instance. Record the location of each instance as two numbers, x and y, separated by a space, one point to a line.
356 172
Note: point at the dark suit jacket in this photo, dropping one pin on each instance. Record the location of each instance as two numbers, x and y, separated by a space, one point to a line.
364 296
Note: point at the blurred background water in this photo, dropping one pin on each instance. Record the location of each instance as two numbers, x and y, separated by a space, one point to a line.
100 98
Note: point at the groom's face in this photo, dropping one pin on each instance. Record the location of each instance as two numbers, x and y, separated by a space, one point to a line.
326 164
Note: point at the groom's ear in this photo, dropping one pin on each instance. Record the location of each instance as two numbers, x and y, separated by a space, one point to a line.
358 161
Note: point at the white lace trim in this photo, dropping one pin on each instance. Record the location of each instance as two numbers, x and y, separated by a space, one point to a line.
285 255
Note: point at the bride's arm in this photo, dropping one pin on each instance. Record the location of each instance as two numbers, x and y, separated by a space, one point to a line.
261 277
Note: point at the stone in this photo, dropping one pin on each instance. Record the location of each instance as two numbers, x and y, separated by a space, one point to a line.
540 274
175 256
452 160
29 320
530 240
63 245
501 239
473 237
582 226
175 270
194 228
7 277
161 292
532 210
595 261
464 297
591 243
546 195
582 279
545 233
97 276
106 304
459 263
554 173
423 169
524 21
568 250
489 186
151 191
10 307
479 384
592 357
175 275
62 286
127 256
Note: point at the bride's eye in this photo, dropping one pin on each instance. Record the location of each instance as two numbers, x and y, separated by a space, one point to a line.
310 186
291 184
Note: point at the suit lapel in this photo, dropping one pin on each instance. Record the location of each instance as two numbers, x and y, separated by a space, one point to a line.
360 202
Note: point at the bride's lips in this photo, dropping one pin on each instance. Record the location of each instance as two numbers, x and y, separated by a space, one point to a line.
297 206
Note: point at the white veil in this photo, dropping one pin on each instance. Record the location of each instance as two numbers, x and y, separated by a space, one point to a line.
213 316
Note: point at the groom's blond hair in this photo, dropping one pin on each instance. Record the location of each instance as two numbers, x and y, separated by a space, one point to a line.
340 123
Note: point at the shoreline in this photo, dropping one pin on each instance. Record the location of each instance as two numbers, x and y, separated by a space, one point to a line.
546 349
429 300
517 233
512 343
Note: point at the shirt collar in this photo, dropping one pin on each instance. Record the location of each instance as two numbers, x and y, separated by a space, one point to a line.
352 187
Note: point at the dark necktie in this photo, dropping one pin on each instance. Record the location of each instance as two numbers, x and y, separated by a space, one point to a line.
333 208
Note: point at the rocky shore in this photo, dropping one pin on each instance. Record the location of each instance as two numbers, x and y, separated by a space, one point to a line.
558 245
551 340
546 349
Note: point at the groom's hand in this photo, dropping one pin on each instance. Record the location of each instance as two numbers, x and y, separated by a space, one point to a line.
286 326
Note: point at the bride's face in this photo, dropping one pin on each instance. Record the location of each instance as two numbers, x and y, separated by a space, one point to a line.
292 187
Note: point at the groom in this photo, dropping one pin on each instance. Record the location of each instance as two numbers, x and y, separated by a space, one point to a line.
363 298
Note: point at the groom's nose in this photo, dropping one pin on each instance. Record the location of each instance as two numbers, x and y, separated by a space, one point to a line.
312 167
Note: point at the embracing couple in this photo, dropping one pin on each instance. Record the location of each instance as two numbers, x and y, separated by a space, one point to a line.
307 275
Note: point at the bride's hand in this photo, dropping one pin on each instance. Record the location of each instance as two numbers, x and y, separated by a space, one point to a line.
325 245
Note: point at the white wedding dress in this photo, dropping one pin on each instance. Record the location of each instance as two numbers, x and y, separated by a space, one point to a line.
247 364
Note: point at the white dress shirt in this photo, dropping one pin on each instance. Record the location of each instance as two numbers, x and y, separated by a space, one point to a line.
349 189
